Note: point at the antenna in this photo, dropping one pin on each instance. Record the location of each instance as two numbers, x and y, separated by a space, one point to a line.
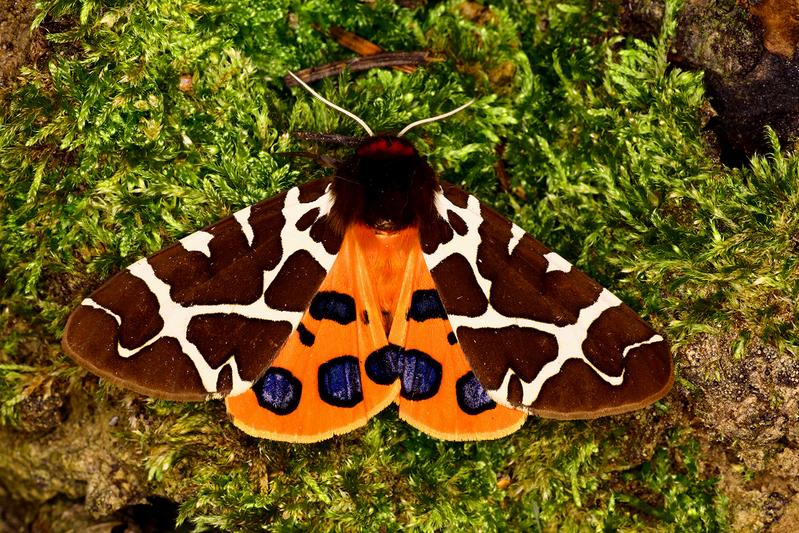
364 125
334 106
407 128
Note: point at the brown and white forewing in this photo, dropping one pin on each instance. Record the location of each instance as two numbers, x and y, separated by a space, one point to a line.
539 334
207 315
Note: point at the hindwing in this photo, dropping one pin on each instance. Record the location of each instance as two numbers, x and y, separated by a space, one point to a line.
207 315
375 333
539 334
317 387
440 394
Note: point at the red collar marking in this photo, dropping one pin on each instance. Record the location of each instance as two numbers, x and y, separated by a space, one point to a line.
386 146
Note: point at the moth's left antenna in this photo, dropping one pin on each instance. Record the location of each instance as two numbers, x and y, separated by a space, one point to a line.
318 96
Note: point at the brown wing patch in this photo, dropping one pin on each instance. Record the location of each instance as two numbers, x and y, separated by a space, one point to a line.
138 310
307 219
290 290
434 233
562 294
463 296
457 223
454 194
251 341
322 231
313 190
197 279
610 334
524 350
151 369
578 392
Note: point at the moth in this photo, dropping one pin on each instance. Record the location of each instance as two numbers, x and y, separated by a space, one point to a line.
313 310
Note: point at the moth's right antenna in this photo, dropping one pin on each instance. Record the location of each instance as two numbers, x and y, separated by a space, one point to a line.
407 128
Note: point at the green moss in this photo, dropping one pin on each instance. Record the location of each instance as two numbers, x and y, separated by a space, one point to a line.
670 488
104 159
15 377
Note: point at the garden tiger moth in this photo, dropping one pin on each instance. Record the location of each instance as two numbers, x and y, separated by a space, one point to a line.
315 309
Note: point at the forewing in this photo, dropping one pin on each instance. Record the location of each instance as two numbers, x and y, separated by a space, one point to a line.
207 315
539 334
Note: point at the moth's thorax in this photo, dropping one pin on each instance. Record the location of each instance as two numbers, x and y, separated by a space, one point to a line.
386 185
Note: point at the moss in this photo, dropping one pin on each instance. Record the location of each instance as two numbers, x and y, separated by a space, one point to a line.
153 119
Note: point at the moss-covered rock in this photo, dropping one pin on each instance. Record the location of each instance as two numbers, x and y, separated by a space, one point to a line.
151 119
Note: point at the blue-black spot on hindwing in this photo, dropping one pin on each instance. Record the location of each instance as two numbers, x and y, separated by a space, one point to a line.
333 305
472 397
340 381
420 374
426 304
278 390
451 338
383 366
306 337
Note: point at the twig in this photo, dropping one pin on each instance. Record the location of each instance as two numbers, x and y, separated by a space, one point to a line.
359 45
383 59
328 138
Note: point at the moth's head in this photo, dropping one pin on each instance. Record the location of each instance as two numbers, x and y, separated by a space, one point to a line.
388 171
384 184
385 163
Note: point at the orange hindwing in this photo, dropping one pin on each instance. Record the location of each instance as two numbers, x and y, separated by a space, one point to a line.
440 394
374 333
